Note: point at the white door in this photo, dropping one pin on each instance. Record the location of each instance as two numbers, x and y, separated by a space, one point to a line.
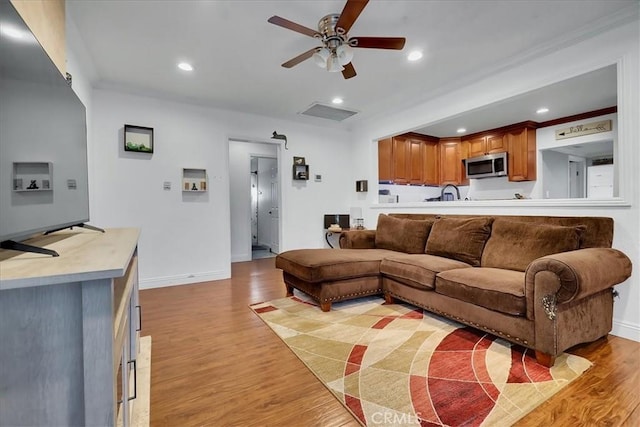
265 203
254 201
576 179
274 212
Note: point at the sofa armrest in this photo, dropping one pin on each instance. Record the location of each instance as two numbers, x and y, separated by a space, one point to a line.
358 239
569 276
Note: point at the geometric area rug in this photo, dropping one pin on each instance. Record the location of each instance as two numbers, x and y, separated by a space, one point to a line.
394 364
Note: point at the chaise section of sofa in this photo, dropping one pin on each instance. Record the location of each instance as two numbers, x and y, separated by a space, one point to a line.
331 275
543 282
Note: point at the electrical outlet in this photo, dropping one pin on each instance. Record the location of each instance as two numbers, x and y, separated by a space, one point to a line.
166 185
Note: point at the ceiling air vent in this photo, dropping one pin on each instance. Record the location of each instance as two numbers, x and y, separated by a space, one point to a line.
326 112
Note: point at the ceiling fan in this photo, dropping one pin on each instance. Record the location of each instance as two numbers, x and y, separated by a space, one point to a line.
336 51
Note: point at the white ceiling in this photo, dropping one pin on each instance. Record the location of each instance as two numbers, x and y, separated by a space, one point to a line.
236 53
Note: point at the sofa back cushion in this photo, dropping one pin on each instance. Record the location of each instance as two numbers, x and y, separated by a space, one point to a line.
513 244
459 238
402 235
598 231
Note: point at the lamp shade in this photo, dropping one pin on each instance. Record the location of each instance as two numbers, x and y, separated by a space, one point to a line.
344 52
333 64
321 56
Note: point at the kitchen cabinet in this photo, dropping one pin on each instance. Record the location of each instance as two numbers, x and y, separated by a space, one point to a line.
431 162
521 144
485 144
385 160
401 160
416 155
408 153
414 159
452 152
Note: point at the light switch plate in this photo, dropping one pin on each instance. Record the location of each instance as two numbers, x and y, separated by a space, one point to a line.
166 185
318 178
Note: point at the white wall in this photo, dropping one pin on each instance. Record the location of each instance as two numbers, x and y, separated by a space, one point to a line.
620 46
187 237
555 175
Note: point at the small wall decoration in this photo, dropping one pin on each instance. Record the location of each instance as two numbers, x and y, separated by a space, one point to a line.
138 138
584 129
298 160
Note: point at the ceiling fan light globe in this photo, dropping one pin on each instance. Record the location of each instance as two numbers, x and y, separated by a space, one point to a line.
333 64
321 56
344 53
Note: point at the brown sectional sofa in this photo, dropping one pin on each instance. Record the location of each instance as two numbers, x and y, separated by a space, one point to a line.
542 282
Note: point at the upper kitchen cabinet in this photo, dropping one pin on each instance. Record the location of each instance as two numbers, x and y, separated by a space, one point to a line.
46 20
401 160
431 161
452 152
385 160
408 160
480 145
521 145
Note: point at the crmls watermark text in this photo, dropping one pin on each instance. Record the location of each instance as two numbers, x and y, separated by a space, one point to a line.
394 418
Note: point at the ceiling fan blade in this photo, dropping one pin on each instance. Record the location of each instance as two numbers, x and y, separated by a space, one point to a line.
396 43
350 13
298 59
290 25
349 71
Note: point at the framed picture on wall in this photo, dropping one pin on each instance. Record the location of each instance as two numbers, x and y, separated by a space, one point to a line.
138 138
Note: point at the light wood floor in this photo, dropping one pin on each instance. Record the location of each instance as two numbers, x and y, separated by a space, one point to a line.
215 363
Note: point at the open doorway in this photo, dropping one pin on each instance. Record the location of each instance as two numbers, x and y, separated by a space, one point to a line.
264 207
255 199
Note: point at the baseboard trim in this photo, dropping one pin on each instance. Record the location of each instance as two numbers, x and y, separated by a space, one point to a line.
626 330
241 257
183 279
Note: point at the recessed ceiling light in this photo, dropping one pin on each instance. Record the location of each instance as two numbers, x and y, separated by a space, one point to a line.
185 66
461 130
337 100
414 55
542 110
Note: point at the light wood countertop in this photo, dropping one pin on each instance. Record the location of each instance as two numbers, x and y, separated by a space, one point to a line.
84 255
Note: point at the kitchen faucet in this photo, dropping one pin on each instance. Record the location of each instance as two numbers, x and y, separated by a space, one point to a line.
450 185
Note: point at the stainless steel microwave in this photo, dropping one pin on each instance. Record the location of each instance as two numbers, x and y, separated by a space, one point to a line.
488 166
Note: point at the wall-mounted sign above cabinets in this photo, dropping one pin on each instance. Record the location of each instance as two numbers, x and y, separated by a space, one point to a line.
585 129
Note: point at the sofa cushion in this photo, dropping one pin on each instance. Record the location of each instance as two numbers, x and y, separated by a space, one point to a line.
417 270
492 288
460 239
402 235
320 265
513 244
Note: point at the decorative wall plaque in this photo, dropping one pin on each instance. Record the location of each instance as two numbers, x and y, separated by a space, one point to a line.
585 129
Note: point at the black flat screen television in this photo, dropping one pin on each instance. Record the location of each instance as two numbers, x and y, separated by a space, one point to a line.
43 138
